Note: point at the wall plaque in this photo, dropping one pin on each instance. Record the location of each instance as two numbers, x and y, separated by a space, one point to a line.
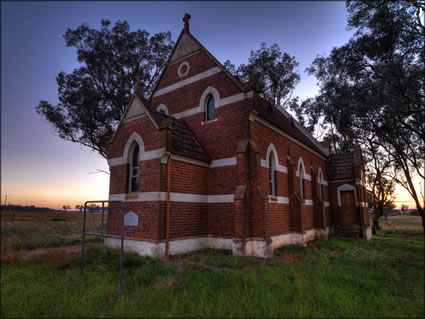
131 219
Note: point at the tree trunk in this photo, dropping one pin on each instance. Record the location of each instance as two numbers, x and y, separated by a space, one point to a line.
375 219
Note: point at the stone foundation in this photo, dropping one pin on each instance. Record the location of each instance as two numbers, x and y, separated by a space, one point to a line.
257 247
299 238
367 232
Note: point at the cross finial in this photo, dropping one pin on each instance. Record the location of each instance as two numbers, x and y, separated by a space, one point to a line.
186 19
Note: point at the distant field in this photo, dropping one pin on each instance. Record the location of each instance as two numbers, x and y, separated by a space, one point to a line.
411 223
29 230
338 278
19 217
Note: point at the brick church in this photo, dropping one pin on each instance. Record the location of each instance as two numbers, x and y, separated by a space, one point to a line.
207 163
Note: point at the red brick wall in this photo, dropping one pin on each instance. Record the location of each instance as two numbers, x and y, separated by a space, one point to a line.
222 180
198 62
148 220
280 223
221 138
189 96
221 219
149 180
278 219
152 138
118 180
188 178
188 219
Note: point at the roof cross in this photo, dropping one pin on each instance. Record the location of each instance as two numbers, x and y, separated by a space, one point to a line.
186 19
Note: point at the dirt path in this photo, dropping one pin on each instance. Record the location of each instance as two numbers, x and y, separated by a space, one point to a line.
29 253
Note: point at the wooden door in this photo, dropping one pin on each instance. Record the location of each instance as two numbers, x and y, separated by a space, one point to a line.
349 214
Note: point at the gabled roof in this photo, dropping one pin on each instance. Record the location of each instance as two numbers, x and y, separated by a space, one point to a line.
186 34
279 118
182 141
341 166
287 124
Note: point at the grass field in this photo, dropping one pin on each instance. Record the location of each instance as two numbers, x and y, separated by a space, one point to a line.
340 277
29 230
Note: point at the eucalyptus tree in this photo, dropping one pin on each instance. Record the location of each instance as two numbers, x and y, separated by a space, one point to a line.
93 97
274 73
373 86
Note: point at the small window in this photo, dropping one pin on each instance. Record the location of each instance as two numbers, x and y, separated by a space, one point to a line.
210 109
134 169
272 169
301 174
320 180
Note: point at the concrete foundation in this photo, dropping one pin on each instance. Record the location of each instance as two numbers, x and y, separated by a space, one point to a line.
367 232
258 247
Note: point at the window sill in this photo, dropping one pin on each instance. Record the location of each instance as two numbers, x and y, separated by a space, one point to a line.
210 121
133 195
273 198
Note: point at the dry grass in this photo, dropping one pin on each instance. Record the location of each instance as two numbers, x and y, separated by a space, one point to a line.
410 223
22 217
31 230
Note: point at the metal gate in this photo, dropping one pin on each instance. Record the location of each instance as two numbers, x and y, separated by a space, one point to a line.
101 234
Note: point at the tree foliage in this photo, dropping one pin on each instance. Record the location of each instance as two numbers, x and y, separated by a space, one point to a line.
372 88
273 72
93 97
379 181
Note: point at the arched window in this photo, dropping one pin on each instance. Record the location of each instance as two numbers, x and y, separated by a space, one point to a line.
210 108
272 169
320 181
162 108
301 175
134 168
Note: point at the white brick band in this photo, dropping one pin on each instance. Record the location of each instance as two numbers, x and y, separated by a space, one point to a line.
176 197
278 199
187 81
279 168
308 202
144 156
229 161
222 102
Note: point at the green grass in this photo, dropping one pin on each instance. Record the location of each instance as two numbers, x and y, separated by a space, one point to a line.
340 277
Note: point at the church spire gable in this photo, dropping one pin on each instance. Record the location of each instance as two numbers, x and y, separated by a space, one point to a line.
187 45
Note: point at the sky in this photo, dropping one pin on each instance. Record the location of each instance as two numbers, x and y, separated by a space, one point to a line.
37 167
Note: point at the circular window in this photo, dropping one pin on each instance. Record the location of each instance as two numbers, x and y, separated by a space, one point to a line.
183 69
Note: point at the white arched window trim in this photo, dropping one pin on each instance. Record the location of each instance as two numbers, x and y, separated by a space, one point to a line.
162 107
203 101
133 138
347 187
143 154
297 173
300 164
271 150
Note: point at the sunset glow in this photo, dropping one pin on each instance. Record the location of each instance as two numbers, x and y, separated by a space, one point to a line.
38 168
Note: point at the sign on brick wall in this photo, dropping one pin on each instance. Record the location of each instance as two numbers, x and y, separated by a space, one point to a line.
131 219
